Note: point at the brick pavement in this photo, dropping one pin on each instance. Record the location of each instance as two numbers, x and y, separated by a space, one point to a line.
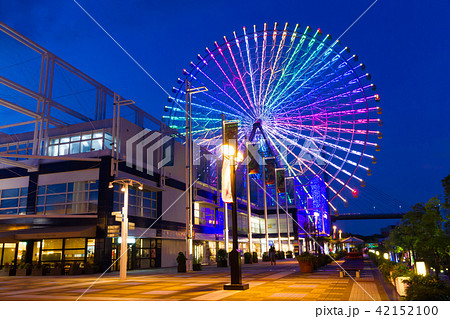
281 282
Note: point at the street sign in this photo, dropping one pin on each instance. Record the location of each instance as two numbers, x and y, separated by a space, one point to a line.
113 230
118 216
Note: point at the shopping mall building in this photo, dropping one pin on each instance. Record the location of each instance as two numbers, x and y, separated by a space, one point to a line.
64 138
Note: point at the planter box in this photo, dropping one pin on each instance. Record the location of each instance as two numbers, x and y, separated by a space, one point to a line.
75 272
4 273
37 272
197 267
55 272
306 267
401 286
21 272
182 267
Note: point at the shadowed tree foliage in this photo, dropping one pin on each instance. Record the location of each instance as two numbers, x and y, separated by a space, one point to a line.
425 233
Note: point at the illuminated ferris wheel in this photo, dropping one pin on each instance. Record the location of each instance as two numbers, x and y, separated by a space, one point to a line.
312 100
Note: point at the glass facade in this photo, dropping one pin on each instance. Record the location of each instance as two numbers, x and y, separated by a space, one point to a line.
8 253
140 203
67 250
13 201
67 198
79 143
204 215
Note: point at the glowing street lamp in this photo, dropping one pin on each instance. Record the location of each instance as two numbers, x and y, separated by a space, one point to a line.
340 234
421 268
334 231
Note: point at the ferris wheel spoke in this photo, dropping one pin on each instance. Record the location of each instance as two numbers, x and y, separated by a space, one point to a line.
250 67
333 177
241 77
328 84
328 144
230 82
273 66
337 147
219 88
305 66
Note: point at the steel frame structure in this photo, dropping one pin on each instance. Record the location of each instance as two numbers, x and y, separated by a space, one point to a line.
42 116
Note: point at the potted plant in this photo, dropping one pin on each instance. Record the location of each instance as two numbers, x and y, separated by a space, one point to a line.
24 269
37 270
265 257
57 270
5 270
197 265
222 258
280 255
181 260
75 269
306 262
255 257
247 258
289 254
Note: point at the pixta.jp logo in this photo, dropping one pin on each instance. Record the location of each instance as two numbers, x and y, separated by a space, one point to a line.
147 148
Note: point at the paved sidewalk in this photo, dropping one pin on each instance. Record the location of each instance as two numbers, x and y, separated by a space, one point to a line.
281 282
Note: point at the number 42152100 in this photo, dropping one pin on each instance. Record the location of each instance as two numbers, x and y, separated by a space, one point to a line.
407 310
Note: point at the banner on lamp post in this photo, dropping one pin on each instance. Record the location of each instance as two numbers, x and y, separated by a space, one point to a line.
269 170
252 158
227 195
230 135
280 180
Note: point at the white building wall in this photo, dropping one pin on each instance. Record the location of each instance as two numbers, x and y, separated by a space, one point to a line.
66 177
169 251
14 182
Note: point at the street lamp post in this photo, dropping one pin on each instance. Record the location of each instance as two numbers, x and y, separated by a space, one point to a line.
189 171
266 226
249 203
125 183
233 156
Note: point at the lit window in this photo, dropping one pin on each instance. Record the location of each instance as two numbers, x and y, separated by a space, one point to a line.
63 149
74 148
97 145
53 150
85 146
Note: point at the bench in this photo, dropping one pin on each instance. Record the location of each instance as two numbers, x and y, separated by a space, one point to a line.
352 265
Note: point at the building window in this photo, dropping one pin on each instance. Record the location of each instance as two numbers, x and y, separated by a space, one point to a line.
79 143
51 250
67 198
75 249
140 203
13 201
204 215
7 253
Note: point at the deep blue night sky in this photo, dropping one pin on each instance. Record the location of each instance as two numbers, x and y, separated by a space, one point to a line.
404 45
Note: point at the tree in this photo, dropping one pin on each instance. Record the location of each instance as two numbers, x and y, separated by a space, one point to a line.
433 243
446 185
